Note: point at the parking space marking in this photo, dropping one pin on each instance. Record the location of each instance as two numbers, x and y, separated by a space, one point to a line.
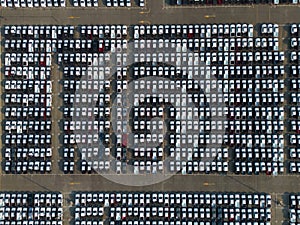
285 5
145 22
166 6
74 183
82 8
207 6
1 107
175 175
145 12
104 8
209 16
73 17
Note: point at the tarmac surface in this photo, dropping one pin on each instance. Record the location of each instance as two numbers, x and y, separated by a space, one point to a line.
156 12
215 183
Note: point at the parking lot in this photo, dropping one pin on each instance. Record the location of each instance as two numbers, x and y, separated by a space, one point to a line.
72 57
154 14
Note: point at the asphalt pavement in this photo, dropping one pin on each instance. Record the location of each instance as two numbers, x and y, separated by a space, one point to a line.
95 182
156 12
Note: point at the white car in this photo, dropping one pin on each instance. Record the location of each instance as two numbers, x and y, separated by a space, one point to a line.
23 3
36 3
16 3
136 32
49 3
43 3
136 167
9 3
294 29
264 29
3 3
275 30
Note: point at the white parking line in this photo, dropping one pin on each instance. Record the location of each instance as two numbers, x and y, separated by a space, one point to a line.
1 93
207 6
185 175
104 7
79 7
165 6
285 5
